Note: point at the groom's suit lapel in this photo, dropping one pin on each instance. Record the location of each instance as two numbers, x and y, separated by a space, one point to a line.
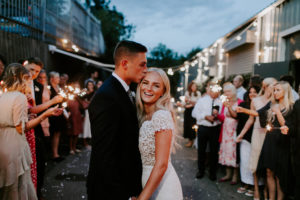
124 98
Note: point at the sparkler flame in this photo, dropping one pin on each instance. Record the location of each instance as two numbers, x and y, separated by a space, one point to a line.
64 104
223 98
195 127
216 88
269 127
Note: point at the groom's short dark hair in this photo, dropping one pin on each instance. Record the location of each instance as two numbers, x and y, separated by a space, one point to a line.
125 48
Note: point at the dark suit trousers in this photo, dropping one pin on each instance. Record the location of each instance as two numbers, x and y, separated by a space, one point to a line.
208 135
297 181
40 160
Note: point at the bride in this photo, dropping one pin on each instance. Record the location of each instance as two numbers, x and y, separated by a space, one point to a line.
157 133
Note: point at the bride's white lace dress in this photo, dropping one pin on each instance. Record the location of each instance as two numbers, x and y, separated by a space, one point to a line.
169 187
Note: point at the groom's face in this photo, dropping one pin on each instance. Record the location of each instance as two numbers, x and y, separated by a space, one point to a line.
137 67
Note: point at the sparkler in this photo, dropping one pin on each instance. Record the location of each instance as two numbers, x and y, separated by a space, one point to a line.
195 127
216 88
70 93
1 88
223 98
270 127
182 98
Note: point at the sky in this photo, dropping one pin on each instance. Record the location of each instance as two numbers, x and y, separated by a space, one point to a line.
186 24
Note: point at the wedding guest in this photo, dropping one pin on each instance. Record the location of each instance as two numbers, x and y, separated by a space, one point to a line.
57 123
42 79
93 77
259 133
275 155
99 83
75 120
191 97
290 80
2 66
15 155
295 137
86 125
227 153
205 112
63 81
238 83
255 81
245 143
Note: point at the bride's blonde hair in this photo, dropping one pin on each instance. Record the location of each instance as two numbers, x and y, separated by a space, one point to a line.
163 103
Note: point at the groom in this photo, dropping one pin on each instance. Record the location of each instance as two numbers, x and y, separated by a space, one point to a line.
115 166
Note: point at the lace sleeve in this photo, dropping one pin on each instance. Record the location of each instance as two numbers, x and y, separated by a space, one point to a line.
20 111
162 120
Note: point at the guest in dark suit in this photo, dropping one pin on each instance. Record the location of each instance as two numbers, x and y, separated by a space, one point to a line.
115 166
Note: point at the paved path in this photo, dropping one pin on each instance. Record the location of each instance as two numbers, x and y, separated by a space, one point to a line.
66 180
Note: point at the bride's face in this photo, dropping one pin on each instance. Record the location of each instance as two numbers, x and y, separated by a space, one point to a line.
152 88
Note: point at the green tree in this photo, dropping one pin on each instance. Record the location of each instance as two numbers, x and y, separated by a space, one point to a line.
114 26
163 57
192 53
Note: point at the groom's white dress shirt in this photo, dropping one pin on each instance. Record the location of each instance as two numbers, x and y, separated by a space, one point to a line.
124 84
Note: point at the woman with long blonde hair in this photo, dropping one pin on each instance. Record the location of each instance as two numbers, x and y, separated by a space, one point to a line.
259 132
157 133
15 157
275 155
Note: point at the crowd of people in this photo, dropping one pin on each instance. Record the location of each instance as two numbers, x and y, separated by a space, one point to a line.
33 119
253 133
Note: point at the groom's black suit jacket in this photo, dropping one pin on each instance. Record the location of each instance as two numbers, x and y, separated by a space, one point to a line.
115 166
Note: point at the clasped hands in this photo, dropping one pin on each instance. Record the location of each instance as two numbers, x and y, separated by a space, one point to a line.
212 118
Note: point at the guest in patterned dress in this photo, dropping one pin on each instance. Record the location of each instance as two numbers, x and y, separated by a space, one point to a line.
227 153
30 137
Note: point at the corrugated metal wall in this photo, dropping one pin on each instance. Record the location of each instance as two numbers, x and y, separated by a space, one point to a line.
240 60
283 17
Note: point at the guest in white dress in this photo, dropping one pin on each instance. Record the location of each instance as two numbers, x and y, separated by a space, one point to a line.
157 138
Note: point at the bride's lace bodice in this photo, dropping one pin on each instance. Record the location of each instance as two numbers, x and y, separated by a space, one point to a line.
161 120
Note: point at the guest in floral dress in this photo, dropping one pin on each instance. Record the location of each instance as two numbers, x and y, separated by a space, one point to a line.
30 137
227 153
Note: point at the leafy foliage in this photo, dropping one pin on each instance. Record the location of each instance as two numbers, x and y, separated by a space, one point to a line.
114 26
163 57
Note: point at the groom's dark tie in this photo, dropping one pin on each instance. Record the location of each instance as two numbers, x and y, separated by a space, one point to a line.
130 96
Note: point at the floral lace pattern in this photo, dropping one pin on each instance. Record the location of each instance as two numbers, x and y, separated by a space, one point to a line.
161 120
